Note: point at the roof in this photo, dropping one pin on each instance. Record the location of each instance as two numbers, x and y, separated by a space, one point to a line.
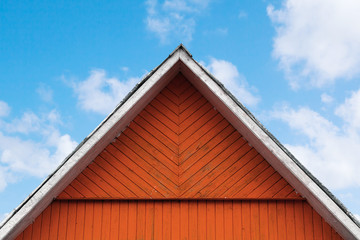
180 60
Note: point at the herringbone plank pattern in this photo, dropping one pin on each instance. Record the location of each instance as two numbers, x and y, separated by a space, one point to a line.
179 147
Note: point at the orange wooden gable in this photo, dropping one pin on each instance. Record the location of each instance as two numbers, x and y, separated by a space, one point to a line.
180 169
179 147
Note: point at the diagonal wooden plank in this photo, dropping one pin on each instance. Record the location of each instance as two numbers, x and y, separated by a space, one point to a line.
143 169
171 114
148 151
190 101
210 155
192 109
205 143
214 167
194 124
138 179
154 135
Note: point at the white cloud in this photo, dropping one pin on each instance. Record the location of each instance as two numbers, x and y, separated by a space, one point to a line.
229 75
173 18
350 111
326 98
330 150
31 146
101 94
357 216
4 109
317 40
45 92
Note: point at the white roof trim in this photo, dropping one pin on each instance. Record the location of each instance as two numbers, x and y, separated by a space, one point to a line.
237 115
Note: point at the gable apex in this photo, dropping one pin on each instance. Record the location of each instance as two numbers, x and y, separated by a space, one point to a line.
180 60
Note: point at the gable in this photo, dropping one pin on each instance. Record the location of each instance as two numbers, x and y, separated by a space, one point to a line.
179 147
267 146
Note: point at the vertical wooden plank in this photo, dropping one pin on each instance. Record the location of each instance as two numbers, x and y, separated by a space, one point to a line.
114 219
149 220
140 220
246 220
290 219
89 219
80 218
98 209
228 219
272 220
219 224
193 220
210 220
132 220
255 219
54 221
106 214
237 225
63 219
263 220
166 219
36 232
124 215
326 230
202 220
317 226
299 220
71 223
175 220
184 220
158 220
308 221
28 232
281 223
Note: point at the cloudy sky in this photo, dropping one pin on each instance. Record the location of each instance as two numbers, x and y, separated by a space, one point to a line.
64 65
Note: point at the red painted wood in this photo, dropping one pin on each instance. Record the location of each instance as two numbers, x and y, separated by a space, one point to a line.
179 146
180 151
174 219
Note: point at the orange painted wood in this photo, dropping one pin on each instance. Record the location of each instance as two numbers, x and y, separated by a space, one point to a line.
71 220
36 229
174 219
210 220
64 209
179 147
89 220
180 170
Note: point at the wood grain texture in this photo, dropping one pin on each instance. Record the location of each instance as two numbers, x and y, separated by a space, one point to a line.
179 147
179 219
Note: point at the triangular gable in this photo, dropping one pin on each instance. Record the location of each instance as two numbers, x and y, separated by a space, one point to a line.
238 116
179 147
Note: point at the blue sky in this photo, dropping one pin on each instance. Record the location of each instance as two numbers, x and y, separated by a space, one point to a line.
64 65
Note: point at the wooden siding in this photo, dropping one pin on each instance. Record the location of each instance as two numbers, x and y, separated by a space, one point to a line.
179 146
179 219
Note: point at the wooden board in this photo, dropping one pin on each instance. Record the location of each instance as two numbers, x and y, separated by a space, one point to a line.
179 219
